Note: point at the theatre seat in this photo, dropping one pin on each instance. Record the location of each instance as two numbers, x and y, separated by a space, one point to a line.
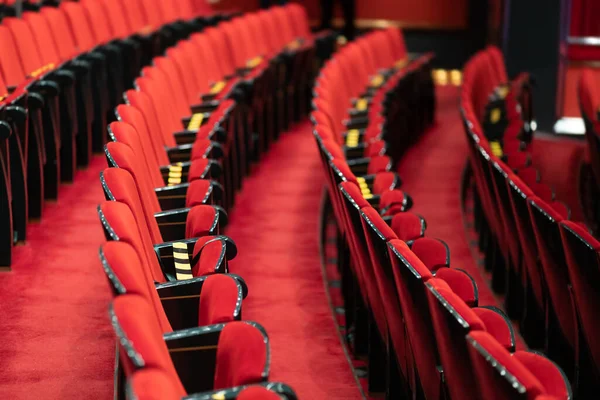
191 303
196 256
232 354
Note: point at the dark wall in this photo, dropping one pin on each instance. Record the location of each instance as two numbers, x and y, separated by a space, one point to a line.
533 34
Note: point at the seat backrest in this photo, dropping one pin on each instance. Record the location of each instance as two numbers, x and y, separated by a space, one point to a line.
61 33
143 103
118 220
410 276
499 375
152 384
141 343
582 255
80 28
132 116
353 203
10 62
452 320
158 91
25 44
545 221
43 37
408 226
377 234
243 355
128 275
96 17
134 14
126 158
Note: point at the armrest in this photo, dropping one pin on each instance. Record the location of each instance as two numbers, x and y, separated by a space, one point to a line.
172 197
357 123
356 113
206 106
354 150
185 137
180 300
164 252
232 393
193 352
195 121
359 166
172 290
172 223
179 153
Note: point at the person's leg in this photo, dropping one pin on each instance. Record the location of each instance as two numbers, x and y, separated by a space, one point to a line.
265 3
348 8
283 2
326 13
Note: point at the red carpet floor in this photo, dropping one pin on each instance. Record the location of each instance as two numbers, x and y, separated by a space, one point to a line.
275 226
56 340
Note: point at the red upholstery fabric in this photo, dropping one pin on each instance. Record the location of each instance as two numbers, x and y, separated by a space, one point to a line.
434 253
202 220
384 181
154 384
119 219
241 364
452 320
143 337
549 375
219 300
497 326
408 226
461 284
131 276
379 164
198 193
212 256
487 355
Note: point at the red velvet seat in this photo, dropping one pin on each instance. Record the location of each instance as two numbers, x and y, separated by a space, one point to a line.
232 354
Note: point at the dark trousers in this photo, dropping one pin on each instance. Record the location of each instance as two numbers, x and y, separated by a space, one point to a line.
349 11
267 3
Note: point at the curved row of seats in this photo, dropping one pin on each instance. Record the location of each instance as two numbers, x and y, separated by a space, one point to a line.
63 68
588 92
546 264
179 150
413 316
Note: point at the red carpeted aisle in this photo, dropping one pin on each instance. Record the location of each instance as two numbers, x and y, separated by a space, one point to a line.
275 226
56 340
